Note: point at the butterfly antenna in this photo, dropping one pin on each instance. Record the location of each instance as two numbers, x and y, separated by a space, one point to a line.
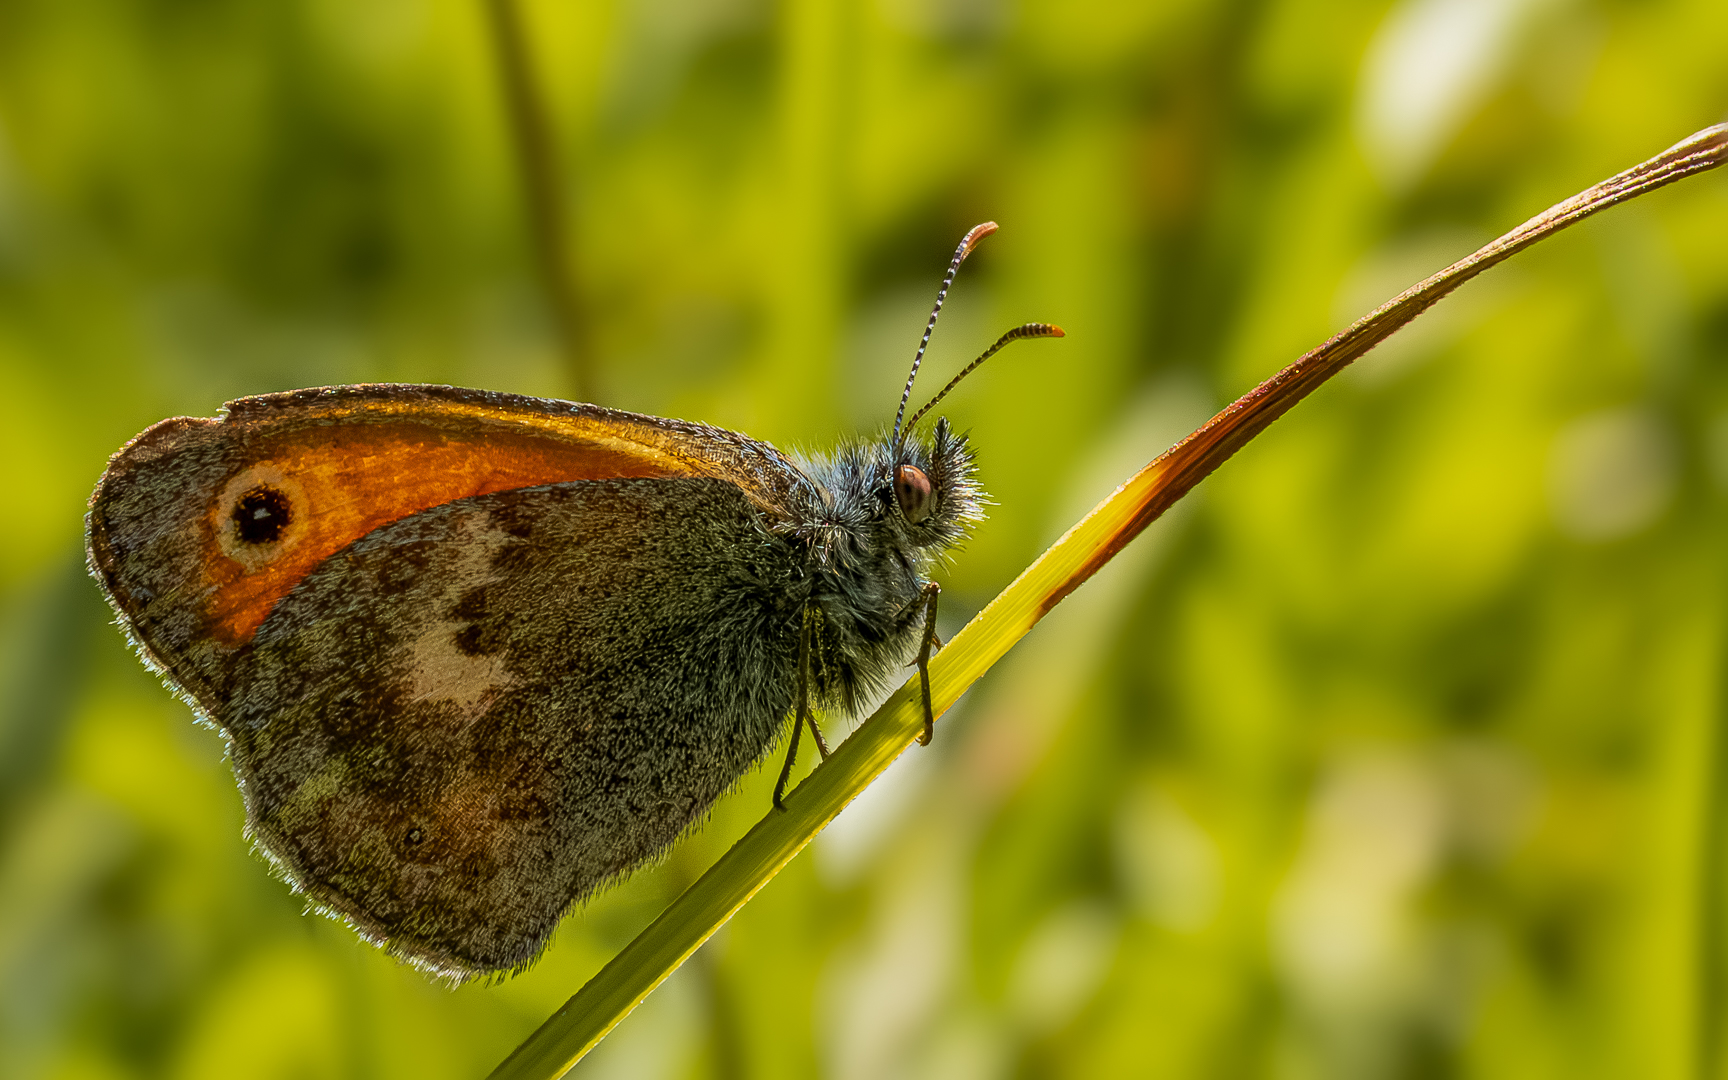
967 243
1030 330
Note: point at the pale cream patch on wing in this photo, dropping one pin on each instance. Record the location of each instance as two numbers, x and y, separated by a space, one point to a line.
442 672
438 670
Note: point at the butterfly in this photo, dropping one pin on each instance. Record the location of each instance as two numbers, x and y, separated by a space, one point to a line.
476 655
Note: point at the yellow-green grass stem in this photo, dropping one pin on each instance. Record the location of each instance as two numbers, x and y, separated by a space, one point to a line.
703 908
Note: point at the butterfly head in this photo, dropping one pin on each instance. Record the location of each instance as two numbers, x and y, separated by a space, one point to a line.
927 486
917 494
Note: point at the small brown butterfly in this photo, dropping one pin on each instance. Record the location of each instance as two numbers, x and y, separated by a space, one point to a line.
476 655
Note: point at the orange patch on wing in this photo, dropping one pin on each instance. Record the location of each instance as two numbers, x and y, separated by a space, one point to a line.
358 477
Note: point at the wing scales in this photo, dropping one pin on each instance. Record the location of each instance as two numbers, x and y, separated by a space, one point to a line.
167 524
549 694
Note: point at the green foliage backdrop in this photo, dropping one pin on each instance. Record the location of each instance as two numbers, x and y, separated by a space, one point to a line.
1398 751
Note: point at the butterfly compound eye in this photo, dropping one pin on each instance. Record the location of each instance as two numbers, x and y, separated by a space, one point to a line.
912 488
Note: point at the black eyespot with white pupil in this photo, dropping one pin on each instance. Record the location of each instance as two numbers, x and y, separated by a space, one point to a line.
260 515
912 489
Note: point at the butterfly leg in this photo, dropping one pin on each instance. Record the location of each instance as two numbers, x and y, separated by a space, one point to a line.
931 592
811 617
803 717
816 732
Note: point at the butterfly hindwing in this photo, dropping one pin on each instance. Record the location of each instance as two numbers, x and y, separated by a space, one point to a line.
454 728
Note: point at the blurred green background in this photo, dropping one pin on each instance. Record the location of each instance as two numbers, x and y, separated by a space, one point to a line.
1398 750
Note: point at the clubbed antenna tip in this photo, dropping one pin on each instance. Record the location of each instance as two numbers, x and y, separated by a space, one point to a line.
967 243
1029 330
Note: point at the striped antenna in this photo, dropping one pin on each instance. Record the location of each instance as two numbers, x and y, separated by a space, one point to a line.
1030 330
970 241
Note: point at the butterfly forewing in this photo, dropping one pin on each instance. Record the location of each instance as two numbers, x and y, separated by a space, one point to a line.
199 527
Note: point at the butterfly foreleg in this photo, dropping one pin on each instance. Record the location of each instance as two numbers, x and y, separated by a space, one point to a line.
806 647
803 717
931 643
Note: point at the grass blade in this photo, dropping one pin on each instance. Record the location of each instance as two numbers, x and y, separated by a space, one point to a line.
585 1019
